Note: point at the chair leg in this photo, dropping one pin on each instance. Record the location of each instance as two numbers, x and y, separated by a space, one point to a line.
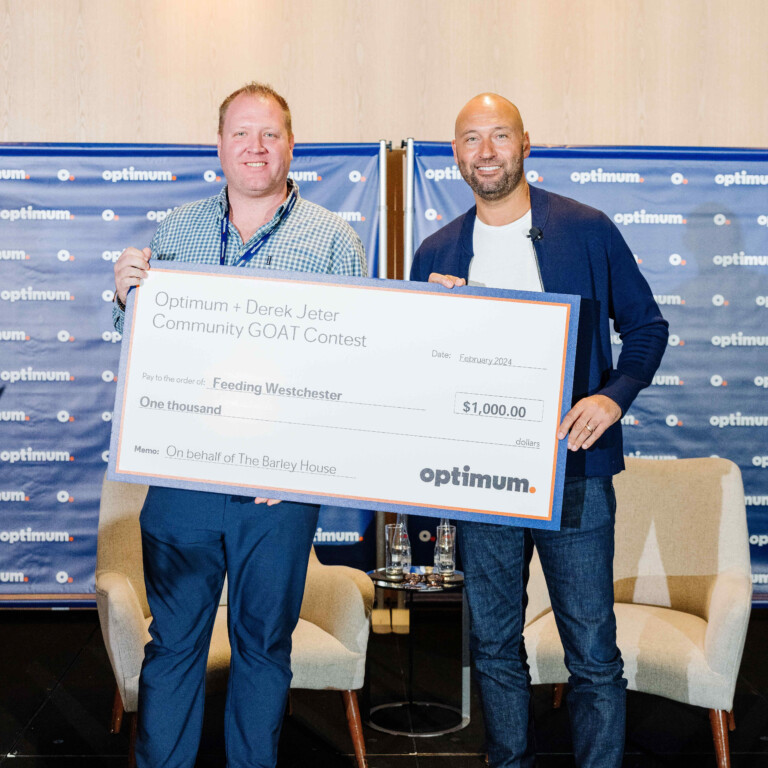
731 721
117 712
132 741
355 726
718 720
557 695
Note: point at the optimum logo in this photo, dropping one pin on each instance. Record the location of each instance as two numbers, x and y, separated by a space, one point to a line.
760 461
30 455
761 381
756 501
12 577
533 176
742 178
14 335
449 173
30 294
29 374
430 214
471 479
599 176
666 380
739 340
668 299
739 259
159 216
13 255
13 416
678 178
131 174
64 175
13 174
355 177
629 421
350 215
762 220
35 214
643 217
720 219
211 176
27 535
737 420
13 496
676 260
304 176
337 537
652 456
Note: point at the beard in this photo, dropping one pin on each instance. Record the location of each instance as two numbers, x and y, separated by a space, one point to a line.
496 189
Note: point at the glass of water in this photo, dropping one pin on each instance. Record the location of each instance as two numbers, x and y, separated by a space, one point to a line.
398 549
445 549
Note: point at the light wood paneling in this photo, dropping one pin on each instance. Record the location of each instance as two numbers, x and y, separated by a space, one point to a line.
677 72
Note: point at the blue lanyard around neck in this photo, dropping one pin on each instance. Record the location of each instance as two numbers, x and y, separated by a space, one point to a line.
259 244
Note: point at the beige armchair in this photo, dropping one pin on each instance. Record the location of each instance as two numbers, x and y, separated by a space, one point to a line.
682 587
329 643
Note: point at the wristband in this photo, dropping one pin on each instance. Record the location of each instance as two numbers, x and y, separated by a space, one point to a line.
119 303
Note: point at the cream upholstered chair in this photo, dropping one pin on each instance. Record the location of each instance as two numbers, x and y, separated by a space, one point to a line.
682 587
329 643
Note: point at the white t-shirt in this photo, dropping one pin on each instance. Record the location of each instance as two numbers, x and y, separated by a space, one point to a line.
504 256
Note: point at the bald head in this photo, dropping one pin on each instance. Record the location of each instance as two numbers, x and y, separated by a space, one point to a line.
490 147
488 108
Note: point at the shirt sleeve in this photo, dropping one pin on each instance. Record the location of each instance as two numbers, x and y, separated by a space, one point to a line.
639 323
118 315
348 255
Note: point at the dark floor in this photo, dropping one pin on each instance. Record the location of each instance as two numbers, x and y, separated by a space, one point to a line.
56 693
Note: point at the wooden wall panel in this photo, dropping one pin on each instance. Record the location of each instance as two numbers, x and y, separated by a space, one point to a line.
679 72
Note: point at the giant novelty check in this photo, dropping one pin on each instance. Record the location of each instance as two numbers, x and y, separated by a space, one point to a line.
347 391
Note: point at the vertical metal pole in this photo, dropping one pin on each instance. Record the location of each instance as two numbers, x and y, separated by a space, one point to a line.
409 210
465 668
383 148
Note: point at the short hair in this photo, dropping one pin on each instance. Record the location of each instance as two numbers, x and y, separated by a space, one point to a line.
261 90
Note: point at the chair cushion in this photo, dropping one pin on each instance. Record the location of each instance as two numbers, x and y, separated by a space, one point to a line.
663 652
319 660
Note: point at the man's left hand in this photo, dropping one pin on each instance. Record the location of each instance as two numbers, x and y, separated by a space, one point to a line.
270 502
587 420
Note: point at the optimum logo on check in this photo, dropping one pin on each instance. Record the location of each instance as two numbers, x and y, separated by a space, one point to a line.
471 479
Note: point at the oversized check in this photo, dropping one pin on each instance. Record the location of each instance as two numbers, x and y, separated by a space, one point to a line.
346 391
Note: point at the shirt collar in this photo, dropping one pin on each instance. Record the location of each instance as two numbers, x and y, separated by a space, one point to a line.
293 191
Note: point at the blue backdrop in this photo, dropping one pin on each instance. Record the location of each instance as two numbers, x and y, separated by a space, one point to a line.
66 213
697 222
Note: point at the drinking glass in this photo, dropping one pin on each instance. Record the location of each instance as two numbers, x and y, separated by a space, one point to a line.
398 549
445 549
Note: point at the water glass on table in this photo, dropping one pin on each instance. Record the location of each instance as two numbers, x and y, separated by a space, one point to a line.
398 550
445 549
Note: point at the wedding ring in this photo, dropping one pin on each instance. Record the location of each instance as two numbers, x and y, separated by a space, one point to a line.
591 429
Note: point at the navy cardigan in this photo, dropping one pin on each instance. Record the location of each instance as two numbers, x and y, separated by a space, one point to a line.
580 252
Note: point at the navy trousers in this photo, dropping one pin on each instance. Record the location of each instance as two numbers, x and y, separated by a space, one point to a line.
190 541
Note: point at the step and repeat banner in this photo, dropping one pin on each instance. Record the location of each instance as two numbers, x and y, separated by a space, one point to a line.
66 214
697 222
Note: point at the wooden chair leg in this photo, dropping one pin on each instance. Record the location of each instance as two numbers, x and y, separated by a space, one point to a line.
117 712
557 695
731 721
355 726
718 720
132 741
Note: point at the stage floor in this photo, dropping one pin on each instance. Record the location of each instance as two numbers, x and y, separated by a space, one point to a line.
56 690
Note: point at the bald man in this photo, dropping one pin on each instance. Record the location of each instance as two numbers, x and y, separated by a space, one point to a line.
525 238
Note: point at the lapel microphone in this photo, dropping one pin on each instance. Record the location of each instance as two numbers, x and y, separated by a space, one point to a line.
535 234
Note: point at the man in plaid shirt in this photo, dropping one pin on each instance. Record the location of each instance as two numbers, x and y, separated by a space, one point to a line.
192 539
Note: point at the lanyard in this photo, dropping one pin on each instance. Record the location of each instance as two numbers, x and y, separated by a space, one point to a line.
259 244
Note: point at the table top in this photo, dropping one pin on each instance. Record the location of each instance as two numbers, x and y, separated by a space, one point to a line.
416 580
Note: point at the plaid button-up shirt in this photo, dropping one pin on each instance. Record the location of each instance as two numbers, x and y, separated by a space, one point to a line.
309 238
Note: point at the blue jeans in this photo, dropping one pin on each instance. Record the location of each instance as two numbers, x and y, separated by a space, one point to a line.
578 565
190 540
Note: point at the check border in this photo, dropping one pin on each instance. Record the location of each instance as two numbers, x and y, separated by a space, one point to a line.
571 303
